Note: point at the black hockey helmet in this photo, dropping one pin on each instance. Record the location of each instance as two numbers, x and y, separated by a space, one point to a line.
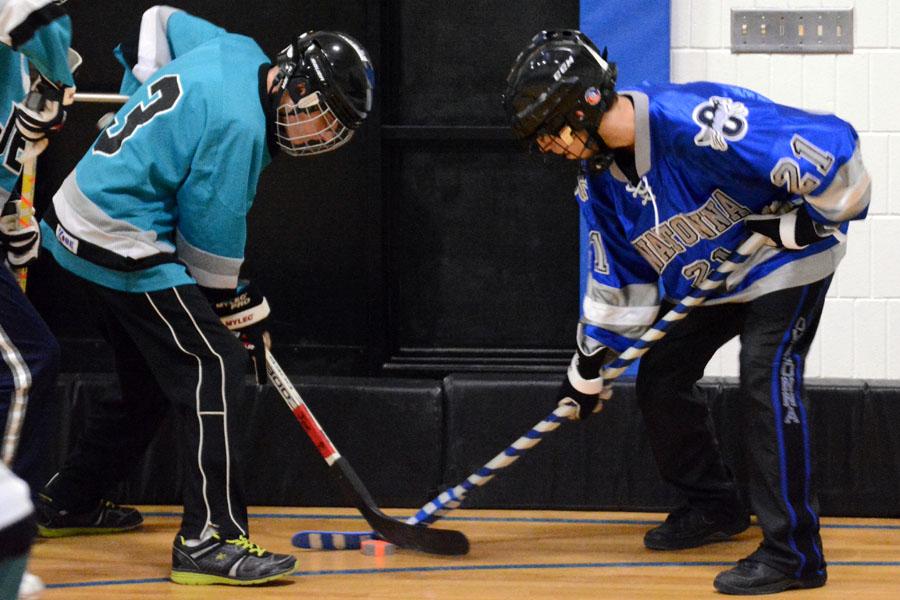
560 79
324 71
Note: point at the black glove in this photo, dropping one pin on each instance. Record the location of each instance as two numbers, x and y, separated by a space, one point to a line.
42 113
244 312
20 234
583 386
793 230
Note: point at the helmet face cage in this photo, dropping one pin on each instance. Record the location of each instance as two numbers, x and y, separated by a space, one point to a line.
324 79
326 133
560 79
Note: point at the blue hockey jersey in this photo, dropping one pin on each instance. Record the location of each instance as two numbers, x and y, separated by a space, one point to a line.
35 31
706 156
174 176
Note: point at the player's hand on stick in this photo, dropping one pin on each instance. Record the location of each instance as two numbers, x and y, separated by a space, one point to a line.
245 314
20 234
583 387
42 113
793 230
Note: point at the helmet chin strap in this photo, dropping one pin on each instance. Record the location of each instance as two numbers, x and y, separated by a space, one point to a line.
276 90
603 155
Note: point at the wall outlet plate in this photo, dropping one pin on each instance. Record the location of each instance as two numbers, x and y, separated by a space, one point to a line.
792 31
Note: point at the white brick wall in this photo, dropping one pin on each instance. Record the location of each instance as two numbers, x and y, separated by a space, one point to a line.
885 243
834 341
893 336
852 76
894 24
893 183
856 268
860 331
884 80
870 18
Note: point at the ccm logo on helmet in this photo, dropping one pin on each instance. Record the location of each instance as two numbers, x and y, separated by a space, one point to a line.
318 68
563 68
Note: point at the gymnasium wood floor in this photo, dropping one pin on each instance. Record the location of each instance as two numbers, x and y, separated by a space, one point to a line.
515 554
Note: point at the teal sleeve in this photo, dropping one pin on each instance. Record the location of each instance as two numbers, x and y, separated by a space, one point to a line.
186 32
130 83
48 50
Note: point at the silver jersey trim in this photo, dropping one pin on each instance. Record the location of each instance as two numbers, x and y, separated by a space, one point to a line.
87 221
627 311
210 270
804 271
642 146
849 193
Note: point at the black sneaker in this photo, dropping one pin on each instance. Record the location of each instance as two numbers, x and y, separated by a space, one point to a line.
688 527
232 562
107 517
751 578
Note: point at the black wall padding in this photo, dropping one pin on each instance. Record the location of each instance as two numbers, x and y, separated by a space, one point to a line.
389 430
156 479
606 463
856 444
410 439
601 462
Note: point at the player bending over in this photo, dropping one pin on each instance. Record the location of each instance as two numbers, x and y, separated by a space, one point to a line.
153 221
673 177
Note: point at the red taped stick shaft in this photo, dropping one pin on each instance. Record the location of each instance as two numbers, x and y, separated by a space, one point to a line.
304 416
316 433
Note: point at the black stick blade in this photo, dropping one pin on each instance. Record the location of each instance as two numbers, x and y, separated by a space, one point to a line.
404 535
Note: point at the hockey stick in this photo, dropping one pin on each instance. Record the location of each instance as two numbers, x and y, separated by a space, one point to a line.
25 209
433 541
100 98
453 497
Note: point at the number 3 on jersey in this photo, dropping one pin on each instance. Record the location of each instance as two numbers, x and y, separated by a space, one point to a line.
164 95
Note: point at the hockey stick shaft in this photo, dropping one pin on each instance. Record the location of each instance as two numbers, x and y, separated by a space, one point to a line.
100 98
453 497
301 411
697 297
25 210
435 541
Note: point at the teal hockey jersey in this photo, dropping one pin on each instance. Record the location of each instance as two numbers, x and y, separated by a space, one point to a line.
161 198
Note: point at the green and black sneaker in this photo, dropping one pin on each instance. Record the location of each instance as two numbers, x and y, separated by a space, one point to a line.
230 562
106 517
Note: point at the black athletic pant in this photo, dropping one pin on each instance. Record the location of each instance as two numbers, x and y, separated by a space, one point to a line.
170 349
775 331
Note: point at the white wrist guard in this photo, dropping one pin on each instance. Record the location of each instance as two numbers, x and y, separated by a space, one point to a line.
587 386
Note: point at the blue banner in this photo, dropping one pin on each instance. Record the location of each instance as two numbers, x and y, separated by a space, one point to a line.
637 35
